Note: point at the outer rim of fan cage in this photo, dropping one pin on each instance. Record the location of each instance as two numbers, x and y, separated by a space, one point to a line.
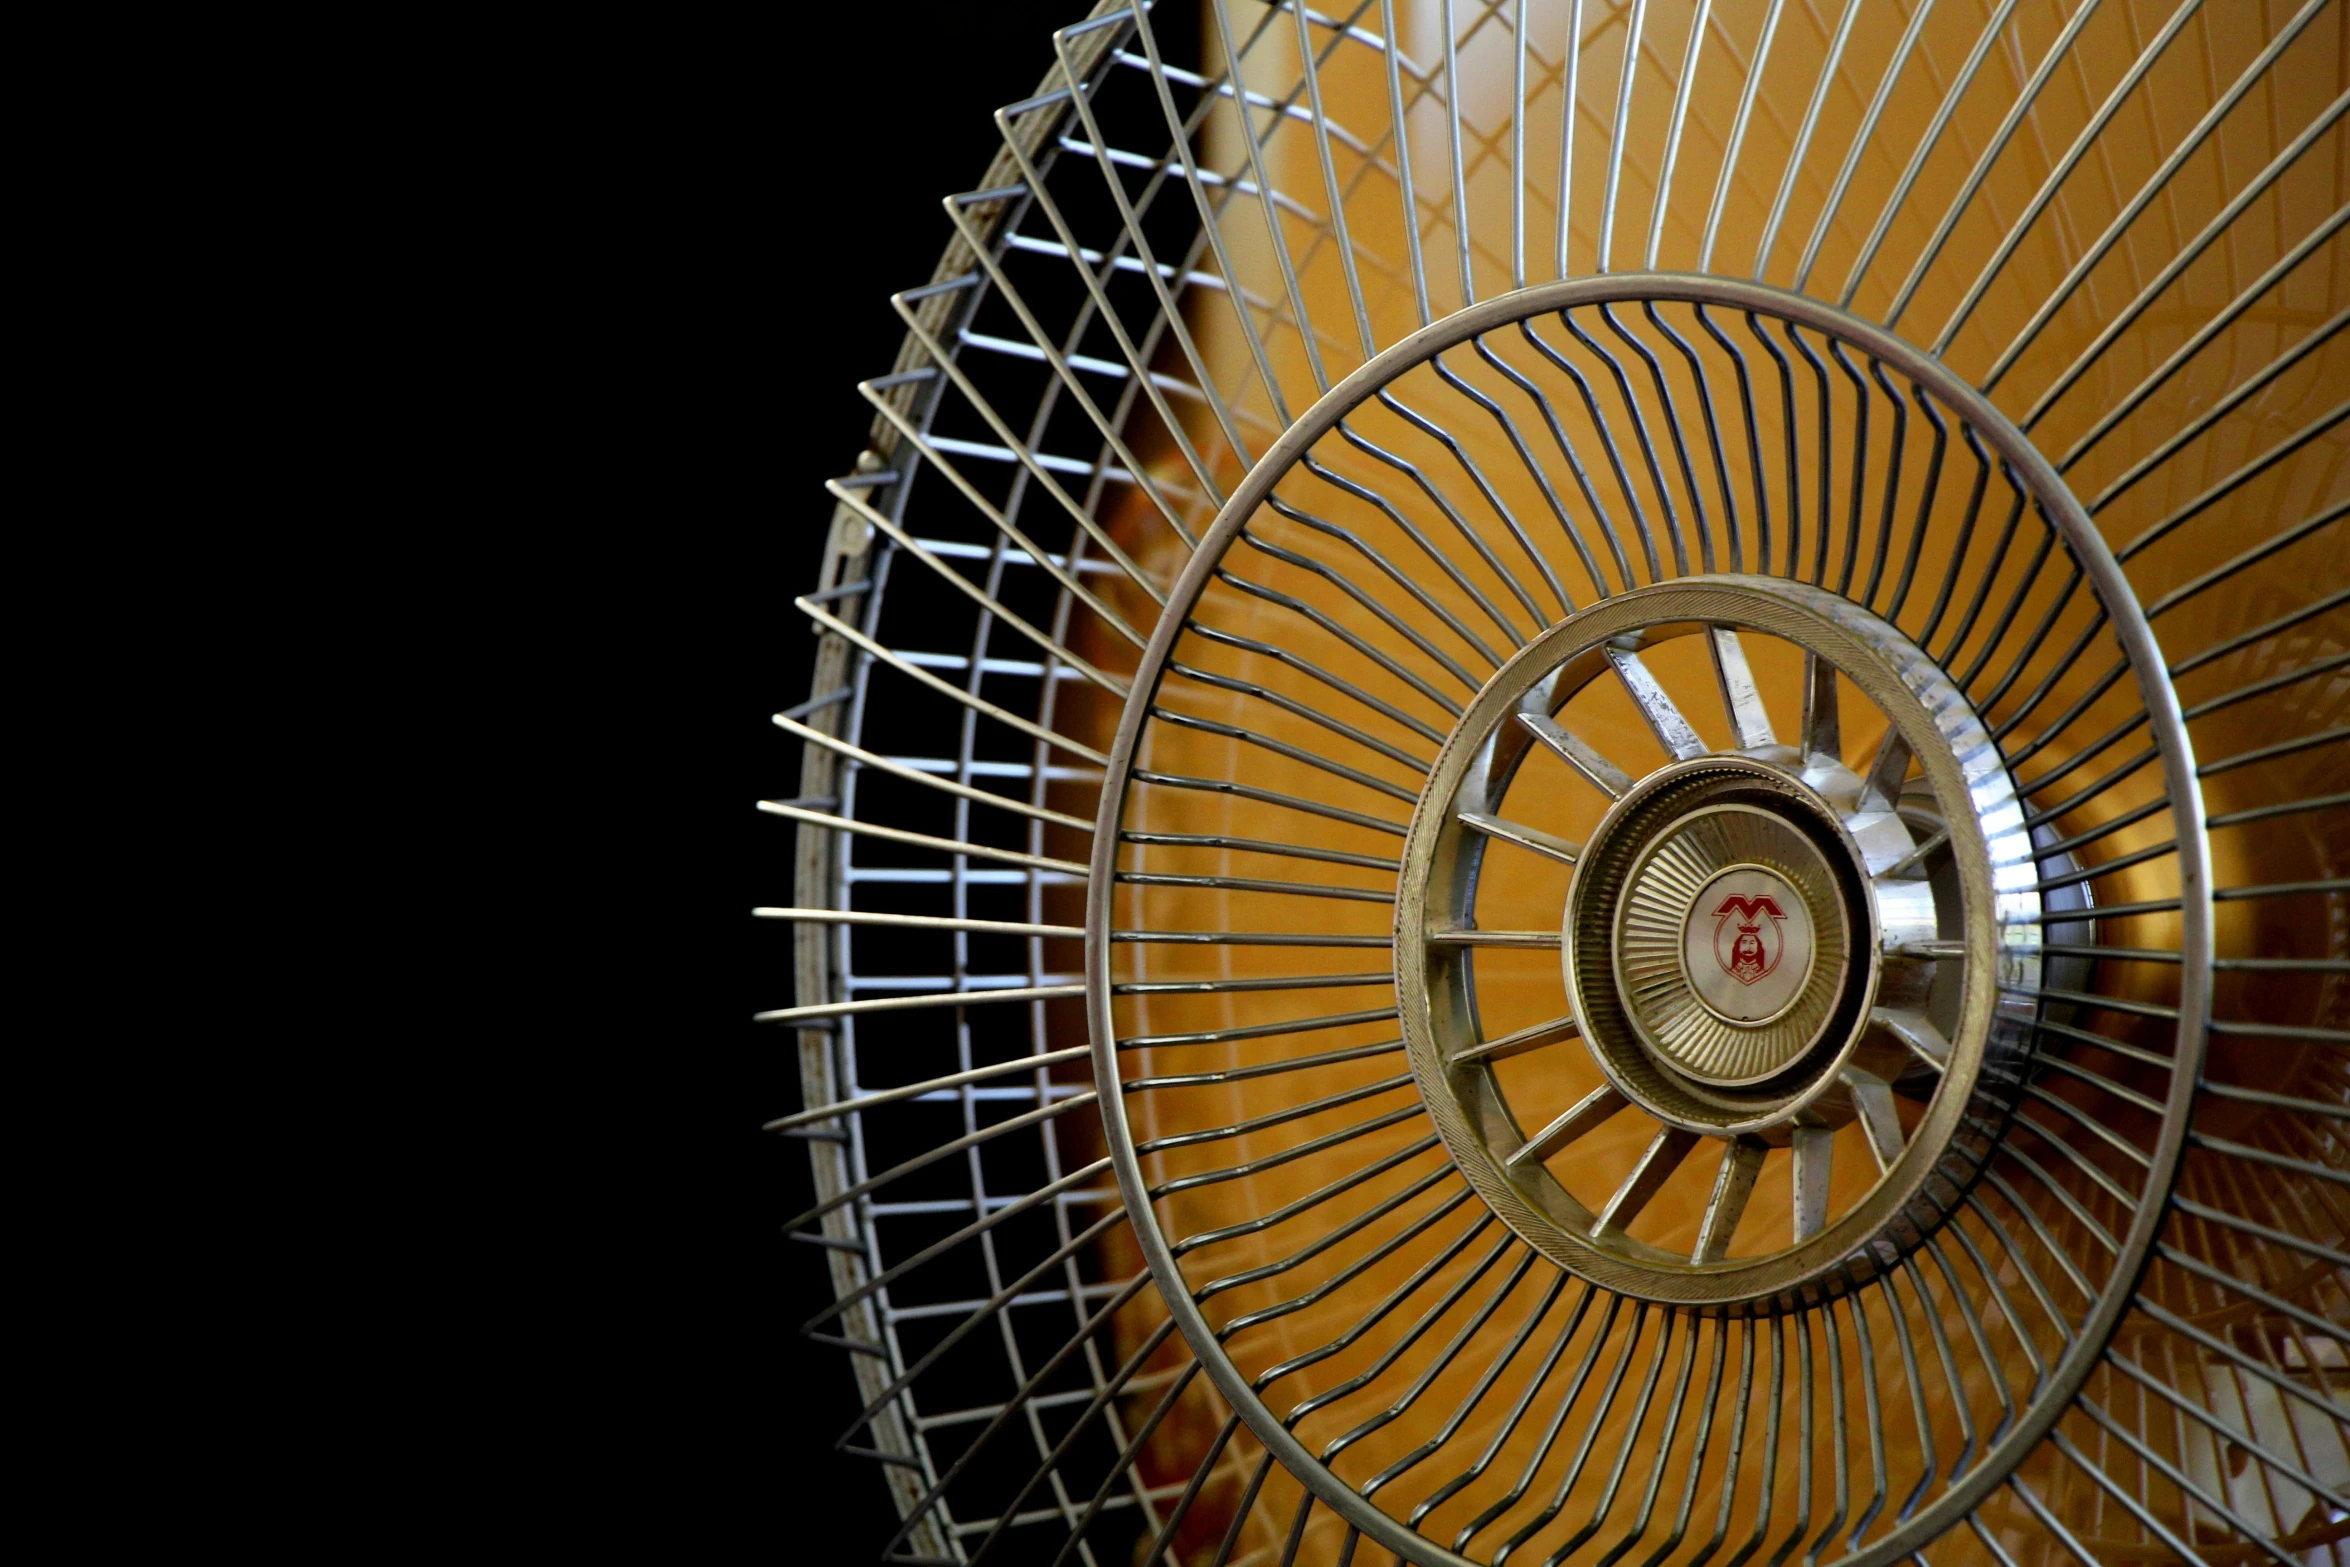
2062 509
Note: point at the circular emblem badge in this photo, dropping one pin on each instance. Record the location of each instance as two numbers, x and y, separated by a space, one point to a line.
1747 945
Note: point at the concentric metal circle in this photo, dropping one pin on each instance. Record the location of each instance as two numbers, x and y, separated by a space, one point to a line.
1939 1157
2120 221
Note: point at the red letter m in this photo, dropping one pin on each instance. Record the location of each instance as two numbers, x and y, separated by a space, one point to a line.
1750 908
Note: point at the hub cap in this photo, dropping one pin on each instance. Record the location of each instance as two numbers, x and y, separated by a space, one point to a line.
1723 922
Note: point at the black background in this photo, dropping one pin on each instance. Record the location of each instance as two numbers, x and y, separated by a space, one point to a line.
860 158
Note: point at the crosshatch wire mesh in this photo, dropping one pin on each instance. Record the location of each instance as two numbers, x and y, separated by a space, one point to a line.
1349 459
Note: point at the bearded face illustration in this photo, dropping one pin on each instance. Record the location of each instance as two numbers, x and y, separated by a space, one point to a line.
1747 939
1746 954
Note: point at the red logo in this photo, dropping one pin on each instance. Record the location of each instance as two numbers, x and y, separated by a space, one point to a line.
1747 940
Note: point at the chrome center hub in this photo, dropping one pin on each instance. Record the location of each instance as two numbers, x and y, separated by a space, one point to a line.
1718 940
1769 953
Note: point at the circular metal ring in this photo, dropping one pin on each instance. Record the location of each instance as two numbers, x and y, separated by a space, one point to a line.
1982 1040
2086 1342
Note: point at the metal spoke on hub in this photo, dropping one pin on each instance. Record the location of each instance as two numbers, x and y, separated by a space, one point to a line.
1517 1044
1672 731
1823 739
1662 1158
1742 1161
1587 1114
1872 1098
1741 699
1605 775
1547 844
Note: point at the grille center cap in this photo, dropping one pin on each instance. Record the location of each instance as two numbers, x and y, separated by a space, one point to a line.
1719 946
1725 912
1747 945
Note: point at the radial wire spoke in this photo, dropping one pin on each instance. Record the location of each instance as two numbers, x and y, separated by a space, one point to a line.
1742 1161
1672 731
1605 775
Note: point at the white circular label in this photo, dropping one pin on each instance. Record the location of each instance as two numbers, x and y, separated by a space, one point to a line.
1748 945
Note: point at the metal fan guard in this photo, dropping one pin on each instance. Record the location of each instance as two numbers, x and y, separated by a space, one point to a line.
2178 765
857 562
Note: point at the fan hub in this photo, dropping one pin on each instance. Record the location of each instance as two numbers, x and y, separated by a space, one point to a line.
1781 970
1713 895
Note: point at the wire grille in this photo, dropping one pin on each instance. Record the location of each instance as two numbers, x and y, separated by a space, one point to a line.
2117 223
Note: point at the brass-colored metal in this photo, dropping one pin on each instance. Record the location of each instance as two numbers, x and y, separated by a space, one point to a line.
1742 1085
1670 900
2102 233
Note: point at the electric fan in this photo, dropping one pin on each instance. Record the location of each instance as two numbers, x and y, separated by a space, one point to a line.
1575 793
